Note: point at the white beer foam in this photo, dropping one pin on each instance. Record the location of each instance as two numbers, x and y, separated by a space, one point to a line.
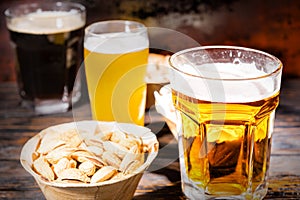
47 22
226 82
116 43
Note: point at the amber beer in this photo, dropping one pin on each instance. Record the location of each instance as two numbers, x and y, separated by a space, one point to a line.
227 125
218 147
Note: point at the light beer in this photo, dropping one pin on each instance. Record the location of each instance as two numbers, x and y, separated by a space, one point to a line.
115 71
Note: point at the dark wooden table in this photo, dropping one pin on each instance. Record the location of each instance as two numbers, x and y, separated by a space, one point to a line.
17 125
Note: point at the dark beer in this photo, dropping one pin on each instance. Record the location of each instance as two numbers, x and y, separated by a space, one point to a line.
48 48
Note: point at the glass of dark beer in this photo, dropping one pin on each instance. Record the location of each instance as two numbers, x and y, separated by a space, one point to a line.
226 98
47 39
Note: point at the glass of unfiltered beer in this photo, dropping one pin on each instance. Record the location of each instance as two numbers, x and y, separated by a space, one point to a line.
226 98
115 57
47 38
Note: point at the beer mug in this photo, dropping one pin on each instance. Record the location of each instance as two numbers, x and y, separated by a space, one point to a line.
115 57
47 38
226 98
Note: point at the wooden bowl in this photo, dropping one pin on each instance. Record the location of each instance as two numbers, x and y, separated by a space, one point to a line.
110 189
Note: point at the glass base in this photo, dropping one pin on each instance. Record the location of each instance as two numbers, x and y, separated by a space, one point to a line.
193 192
43 107
51 106
54 106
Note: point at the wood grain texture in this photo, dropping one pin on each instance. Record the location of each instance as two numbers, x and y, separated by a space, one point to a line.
17 125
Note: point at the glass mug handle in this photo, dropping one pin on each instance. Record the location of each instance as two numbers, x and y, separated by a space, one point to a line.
165 107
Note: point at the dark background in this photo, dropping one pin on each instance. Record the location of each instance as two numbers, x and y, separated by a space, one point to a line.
269 25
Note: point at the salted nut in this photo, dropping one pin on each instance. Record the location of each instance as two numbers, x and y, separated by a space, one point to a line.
67 157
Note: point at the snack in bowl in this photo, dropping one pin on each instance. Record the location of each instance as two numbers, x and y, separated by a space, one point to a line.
89 159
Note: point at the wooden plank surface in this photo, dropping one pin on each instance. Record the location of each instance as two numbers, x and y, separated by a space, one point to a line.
17 125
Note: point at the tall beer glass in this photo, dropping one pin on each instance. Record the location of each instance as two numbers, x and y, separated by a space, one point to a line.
47 38
115 55
226 97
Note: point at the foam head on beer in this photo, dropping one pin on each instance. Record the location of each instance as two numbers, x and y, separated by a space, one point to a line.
47 22
116 43
223 82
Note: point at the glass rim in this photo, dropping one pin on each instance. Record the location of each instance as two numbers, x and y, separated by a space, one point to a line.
9 11
140 29
179 53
